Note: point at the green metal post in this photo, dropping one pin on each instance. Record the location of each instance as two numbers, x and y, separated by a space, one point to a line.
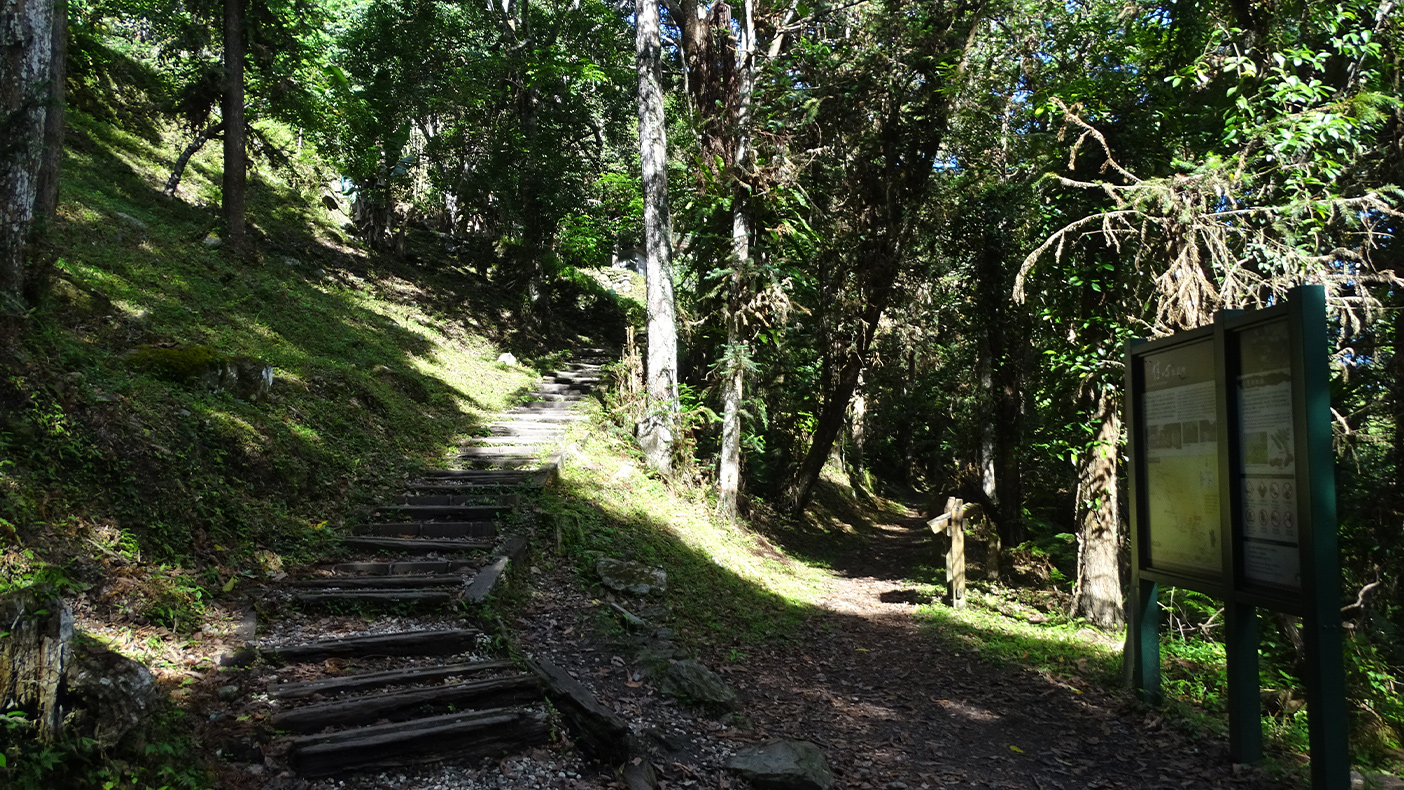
1321 583
1144 636
1244 703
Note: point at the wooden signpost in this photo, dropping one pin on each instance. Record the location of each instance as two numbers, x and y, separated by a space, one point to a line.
953 522
1232 494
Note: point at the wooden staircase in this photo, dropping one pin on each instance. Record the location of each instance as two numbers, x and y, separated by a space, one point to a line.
430 690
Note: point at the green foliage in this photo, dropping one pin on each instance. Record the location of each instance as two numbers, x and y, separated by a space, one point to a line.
171 760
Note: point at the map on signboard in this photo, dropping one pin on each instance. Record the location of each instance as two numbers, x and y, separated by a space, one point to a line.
1181 439
1268 473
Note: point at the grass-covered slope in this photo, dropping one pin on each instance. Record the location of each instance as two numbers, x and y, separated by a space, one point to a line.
378 362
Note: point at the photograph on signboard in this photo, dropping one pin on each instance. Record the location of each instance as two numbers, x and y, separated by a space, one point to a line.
1180 436
1268 468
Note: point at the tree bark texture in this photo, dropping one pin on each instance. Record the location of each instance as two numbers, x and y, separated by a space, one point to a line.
235 157
1098 596
46 195
26 51
33 657
656 430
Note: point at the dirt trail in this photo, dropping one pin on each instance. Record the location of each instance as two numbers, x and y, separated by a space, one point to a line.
896 708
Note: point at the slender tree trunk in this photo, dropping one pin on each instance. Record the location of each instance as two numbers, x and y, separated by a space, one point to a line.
26 51
178 170
857 434
656 430
1098 596
738 346
235 164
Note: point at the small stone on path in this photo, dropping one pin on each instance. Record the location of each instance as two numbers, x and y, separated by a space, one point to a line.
783 765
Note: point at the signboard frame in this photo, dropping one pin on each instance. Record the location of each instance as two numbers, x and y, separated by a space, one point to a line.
1305 443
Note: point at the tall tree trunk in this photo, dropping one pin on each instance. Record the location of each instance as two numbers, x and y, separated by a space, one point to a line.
235 157
656 430
26 53
857 434
46 197
738 347
1098 596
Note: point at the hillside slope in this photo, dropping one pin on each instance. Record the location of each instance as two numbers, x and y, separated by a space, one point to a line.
147 469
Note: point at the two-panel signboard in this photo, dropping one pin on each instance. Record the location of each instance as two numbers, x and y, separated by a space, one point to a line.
1232 494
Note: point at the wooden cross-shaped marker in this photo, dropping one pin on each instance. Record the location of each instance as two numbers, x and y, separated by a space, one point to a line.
953 521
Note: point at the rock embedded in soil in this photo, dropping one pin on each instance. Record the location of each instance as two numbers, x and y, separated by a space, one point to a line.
783 765
631 577
690 681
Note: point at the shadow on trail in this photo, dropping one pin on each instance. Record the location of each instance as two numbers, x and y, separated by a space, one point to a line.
895 703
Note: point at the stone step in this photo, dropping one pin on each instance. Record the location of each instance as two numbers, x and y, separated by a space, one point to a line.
411 703
404 567
427 642
458 512
365 681
416 597
381 582
456 735
427 529
468 486
416 545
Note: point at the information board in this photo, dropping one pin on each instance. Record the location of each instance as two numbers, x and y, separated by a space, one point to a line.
1181 441
1270 543
1232 494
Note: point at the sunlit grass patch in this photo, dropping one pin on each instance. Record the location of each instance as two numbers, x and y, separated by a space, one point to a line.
725 582
1060 647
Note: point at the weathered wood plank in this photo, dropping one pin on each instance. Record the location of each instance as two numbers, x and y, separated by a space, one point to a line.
486 581
374 680
416 596
600 733
456 735
417 545
409 703
379 582
435 642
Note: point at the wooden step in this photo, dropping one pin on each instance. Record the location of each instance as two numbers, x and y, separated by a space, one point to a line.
543 416
428 529
494 477
429 642
416 597
501 499
541 406
504 451
541 437
380 582
455 735
457 512
404 567
537 430
416 545
411 703
518 462
366 681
